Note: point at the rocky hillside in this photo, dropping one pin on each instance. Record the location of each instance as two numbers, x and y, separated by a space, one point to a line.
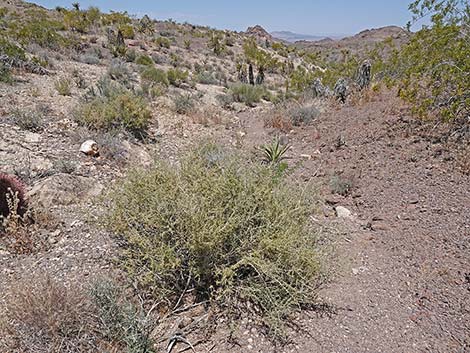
167 187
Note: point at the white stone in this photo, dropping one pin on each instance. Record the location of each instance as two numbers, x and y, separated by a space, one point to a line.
90 148
343 212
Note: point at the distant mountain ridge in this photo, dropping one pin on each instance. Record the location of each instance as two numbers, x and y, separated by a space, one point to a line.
292 37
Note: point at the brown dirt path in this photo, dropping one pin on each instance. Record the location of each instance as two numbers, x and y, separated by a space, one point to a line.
403 281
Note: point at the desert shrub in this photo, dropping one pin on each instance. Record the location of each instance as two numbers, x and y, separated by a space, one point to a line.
154 76
11 49
5 74
176 76
229 231
225 100
206 78
159 59
90 59
79 20
63 86
341 185
119 71
303 115
434 67
114 107
127 31
42 32
248 94
184 103
130 55
163 42
116 18
121 321
43 315
31 120
46 316
144 60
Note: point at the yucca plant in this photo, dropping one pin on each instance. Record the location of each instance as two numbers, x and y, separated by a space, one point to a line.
274 153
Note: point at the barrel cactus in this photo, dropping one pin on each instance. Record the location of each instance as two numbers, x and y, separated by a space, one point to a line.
10 185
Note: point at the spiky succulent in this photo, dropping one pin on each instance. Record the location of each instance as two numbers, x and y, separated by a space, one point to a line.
274 152
10 185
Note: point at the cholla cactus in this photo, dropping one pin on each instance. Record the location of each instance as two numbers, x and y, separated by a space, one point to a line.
242 73
10 187
364 74
251 75
341 90
318 89
260 76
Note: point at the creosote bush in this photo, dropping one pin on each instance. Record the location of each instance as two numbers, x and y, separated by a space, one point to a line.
184 103
144 60
303 115
231 231
248 94
153 76
114 107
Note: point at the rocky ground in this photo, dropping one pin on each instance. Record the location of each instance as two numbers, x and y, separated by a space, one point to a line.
393 190
401 276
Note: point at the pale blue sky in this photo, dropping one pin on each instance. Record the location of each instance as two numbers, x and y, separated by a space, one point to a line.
301 16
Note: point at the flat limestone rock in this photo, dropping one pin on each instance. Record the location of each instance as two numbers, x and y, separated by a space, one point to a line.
64 189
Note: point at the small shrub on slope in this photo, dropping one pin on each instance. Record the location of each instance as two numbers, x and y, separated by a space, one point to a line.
231 231
115 108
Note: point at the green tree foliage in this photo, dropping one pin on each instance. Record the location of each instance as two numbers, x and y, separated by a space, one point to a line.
435 64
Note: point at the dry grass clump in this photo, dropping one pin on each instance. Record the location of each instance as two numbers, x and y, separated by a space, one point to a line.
45 316
229 231
42 315
285 115
209 115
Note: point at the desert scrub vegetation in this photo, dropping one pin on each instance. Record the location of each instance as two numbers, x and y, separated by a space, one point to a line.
144 60
113 107
248 94
43 315
63 86
5 74
183 103
435 64
177 77
229 231
31 120
154 76
303 115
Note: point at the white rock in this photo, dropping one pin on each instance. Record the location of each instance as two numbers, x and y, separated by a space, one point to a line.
90 148
343 212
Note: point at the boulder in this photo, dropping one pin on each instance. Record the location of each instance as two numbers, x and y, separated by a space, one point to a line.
64 189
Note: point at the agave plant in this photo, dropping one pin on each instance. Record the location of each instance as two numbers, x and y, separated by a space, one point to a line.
274 153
